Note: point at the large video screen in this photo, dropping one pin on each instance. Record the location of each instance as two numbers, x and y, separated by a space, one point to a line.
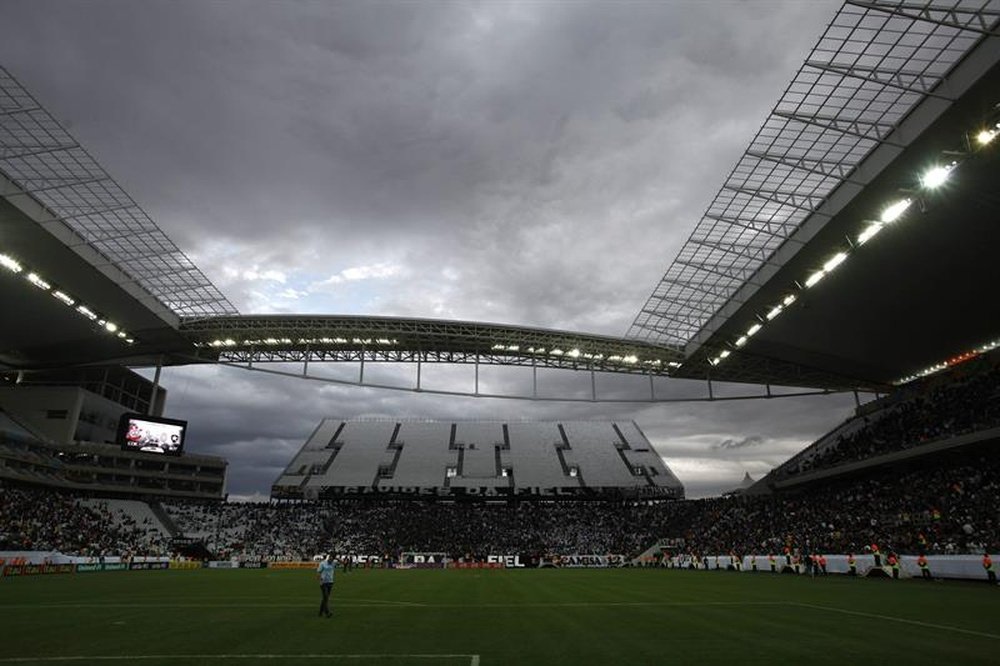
151 434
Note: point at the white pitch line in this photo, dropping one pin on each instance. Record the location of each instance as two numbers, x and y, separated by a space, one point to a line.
473 658
876 616
379 601
404 604
168 605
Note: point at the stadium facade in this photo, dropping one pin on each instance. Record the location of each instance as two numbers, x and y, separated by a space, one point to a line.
476 459
59 429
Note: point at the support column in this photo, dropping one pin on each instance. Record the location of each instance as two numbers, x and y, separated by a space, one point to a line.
156 386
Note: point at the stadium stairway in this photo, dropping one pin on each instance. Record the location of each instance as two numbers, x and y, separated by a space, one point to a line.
165 519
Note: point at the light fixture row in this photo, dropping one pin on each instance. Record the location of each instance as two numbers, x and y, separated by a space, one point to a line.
951 362
629 359
17 267
930 180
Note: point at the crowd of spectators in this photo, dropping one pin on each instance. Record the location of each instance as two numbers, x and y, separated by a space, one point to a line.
950 508
938 412
252 531
47 520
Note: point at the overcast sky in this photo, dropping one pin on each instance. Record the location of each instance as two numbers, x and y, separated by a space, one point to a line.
535 163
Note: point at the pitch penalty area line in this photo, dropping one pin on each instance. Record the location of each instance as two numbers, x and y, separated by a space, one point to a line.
890 618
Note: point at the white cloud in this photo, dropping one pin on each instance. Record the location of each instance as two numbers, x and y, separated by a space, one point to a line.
378 271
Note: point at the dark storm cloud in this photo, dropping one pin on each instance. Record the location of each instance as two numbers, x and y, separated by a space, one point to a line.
535 163
730 444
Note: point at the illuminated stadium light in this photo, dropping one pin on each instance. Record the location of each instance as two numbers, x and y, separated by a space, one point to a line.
631 358
15 266
937 176
10 263
573 353
814 278
740 341
775 311
950 363
869 232
788 300
556 352
892 213
34 279
986 137
64 298
673 364
753 329
724 354
834 261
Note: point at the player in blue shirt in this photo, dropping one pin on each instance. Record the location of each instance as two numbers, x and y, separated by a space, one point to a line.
325 571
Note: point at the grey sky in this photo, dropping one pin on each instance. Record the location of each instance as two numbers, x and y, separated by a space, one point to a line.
533 163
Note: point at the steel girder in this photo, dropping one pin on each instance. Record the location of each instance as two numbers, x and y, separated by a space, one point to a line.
291 338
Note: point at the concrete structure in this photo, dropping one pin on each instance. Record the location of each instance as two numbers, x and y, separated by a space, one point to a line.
477 459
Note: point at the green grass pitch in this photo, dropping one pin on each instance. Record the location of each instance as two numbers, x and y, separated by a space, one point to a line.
493 617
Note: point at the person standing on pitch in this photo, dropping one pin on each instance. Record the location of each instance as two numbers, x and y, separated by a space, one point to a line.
325 571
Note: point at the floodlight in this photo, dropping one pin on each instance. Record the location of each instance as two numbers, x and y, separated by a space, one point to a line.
935 177
834 261
869 232
814 278
631 358
64 298
742 340
112 327
892 213
10 263
753 329
985 137
573 353
775 311
34 279
788 300
86 312
724 354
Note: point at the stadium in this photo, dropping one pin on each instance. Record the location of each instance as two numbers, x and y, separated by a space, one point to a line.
849 252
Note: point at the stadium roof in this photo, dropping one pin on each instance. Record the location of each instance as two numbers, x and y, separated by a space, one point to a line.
41 162
890 88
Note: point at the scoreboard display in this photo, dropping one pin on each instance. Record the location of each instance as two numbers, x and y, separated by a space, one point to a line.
150 434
